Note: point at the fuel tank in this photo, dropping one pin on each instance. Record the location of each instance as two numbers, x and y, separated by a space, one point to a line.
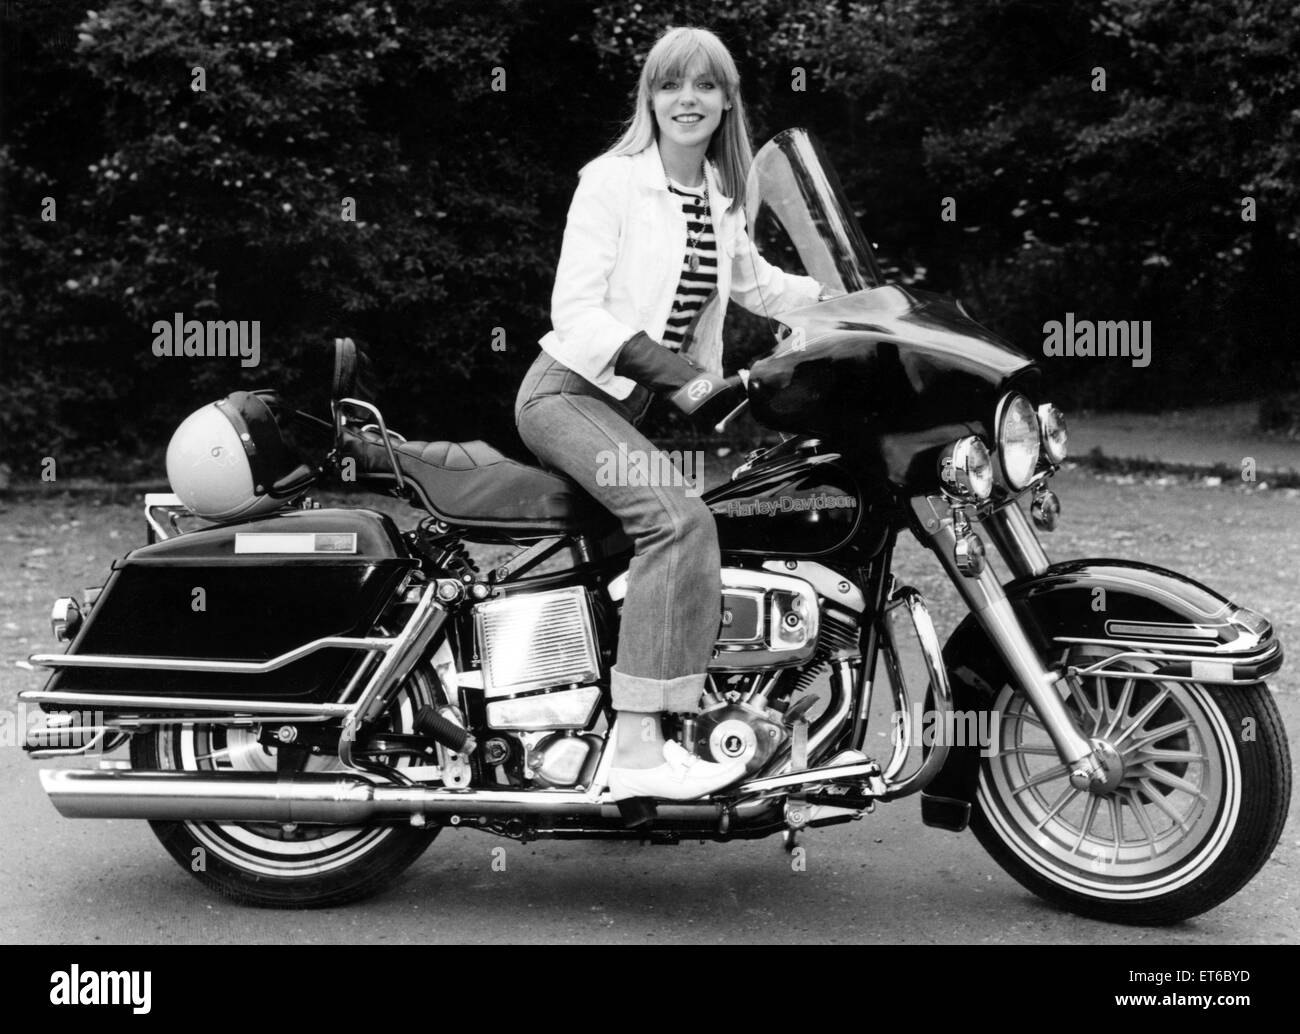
244 592
795 502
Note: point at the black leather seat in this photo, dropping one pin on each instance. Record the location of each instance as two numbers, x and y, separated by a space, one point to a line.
474 485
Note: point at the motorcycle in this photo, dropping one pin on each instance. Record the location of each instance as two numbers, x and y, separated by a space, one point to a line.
311 695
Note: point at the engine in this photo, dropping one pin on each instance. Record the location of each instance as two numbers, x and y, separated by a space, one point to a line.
540 667
805 620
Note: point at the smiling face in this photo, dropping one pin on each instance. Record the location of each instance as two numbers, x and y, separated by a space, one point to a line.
688 108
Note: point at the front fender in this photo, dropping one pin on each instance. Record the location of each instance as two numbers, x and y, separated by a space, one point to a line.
1190 631
1138 607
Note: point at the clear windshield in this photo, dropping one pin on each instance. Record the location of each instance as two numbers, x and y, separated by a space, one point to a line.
799 218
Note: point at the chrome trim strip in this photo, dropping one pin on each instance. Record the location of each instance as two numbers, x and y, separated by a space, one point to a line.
124 662
1252 645
1208 664
247 707
130 724
1155 676
1170 630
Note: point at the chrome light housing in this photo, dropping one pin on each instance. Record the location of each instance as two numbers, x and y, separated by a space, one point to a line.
1051 422
1018 443
65 619
966 469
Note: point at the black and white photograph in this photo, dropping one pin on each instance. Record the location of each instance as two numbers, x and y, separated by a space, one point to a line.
730 474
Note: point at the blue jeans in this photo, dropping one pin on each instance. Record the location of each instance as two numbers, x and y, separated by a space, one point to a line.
673 607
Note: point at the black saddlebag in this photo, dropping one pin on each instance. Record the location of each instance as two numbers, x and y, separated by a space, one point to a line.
244 592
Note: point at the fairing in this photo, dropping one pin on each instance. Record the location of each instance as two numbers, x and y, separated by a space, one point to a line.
890 373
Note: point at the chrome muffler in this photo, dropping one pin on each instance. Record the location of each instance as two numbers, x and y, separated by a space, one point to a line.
320 797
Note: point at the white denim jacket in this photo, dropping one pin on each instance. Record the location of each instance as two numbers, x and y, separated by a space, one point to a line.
621 260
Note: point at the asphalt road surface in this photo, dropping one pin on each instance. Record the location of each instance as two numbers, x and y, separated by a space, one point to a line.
884 879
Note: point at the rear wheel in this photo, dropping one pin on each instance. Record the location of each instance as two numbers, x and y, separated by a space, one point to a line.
277 865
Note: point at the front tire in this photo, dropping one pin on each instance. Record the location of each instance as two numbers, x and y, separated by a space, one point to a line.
269 865
1202 804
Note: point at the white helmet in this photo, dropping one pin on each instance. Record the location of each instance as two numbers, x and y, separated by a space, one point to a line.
227 461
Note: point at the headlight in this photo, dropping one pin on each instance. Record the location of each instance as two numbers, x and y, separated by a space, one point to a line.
966 470
1055 437
1018 443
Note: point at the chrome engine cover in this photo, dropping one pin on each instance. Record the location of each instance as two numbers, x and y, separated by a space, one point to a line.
768 621
770 618
561 758
739 732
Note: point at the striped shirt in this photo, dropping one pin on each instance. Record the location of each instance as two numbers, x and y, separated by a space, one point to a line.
692 288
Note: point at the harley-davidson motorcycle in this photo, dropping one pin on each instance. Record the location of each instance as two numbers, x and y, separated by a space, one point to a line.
312 694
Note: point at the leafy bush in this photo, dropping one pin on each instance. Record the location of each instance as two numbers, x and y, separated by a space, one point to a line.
228 202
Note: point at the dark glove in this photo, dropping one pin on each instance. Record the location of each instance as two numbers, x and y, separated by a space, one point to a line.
697 393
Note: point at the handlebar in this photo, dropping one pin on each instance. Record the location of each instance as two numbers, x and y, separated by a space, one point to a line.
721 425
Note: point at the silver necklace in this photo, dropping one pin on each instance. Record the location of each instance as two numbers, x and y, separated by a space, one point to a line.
702 214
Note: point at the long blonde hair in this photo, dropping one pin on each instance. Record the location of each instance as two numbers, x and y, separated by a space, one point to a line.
671 56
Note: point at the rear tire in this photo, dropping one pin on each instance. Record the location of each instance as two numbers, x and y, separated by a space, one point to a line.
267 865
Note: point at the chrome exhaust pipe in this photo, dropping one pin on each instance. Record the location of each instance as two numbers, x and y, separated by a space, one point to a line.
320 797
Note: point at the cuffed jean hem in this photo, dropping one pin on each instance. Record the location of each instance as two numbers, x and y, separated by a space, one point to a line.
634 693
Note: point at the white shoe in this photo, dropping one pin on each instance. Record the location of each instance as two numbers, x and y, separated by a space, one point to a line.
682 777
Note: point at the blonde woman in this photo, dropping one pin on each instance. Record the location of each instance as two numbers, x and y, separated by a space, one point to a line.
654 247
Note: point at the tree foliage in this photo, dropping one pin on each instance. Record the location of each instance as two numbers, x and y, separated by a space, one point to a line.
457 129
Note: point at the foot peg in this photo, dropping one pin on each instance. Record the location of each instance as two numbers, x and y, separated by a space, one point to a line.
637 811
439 727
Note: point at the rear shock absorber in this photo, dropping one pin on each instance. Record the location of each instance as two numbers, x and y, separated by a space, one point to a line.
446 549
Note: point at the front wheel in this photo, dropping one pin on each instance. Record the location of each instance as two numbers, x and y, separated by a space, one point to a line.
268 864
1207 783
